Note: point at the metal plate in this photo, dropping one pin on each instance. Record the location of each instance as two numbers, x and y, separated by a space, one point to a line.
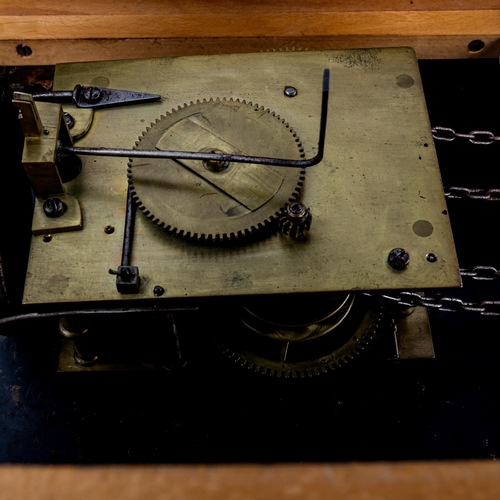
378 188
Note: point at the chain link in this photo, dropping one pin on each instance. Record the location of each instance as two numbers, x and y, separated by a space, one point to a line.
481 273
484 137
461 193
443 304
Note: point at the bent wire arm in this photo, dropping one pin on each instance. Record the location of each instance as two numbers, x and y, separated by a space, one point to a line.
190 155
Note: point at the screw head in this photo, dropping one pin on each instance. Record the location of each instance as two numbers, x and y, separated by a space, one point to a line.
431 257
158 291
70 121
54 207
398 259
109 229
296 209
290 91
24 50
215 165
92 94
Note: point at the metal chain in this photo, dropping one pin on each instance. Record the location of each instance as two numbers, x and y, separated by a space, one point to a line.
447 134
444 304
461 193
481 273
451 304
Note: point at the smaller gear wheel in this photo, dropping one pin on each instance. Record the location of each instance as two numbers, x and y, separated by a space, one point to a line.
295 220
302 343
216 201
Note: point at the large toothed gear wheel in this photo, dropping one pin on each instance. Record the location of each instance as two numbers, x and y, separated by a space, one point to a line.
214 201
268 339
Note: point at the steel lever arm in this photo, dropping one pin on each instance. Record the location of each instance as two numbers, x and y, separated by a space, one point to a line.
96 97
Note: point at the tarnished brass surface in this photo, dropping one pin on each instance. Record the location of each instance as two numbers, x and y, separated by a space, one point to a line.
40 149
413 335
29 118
378 187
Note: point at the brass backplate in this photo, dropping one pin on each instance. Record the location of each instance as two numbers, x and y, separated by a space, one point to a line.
378 187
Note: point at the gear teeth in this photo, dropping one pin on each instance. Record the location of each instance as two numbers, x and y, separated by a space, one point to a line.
331 362
243 233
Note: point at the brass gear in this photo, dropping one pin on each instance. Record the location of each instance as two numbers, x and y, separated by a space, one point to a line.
214 201
343 336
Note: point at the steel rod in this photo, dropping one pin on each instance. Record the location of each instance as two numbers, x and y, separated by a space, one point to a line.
128 234
92 311
54 96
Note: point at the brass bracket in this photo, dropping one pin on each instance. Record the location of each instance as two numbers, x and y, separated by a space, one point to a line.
45 130
70 220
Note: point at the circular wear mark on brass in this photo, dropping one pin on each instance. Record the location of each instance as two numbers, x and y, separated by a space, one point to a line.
405 81
423 228
100 81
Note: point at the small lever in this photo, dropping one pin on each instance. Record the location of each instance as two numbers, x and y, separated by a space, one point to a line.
96 97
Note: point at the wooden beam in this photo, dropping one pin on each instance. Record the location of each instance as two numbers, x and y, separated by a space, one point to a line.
161 23
412 481
57 31
45 52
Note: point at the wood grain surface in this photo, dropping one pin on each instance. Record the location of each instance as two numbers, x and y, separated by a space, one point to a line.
155 21
382 481
45 52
